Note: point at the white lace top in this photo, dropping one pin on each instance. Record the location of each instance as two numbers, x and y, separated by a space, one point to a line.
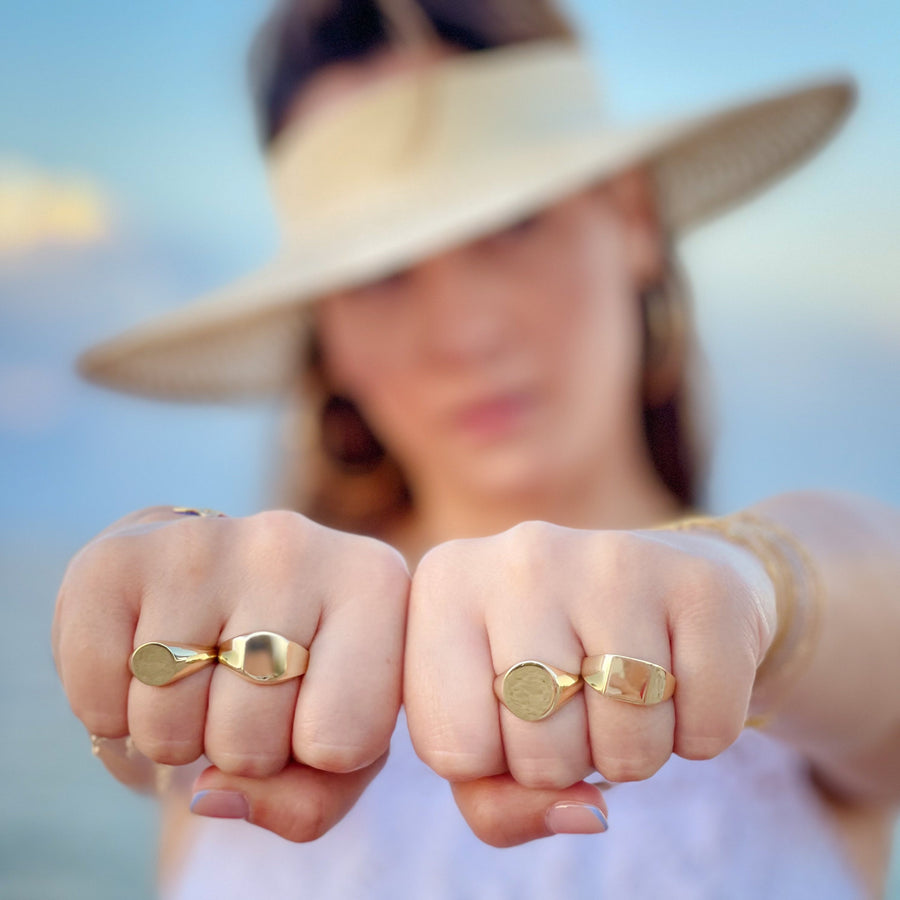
744 825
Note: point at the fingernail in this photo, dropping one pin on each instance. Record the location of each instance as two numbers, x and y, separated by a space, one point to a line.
570 817
220 805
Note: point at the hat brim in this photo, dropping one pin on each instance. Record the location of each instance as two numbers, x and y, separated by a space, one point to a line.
245 340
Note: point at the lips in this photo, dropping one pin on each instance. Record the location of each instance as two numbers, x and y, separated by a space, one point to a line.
495 417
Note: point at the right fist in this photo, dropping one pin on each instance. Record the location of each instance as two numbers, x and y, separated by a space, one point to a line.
159 576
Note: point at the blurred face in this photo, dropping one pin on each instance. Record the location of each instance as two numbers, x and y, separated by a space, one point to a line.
511 364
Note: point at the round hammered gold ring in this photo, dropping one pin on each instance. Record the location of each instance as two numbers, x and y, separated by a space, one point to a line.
533 690
264 657
628 679
156 664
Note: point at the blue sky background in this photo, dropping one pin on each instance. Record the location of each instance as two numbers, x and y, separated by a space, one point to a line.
130 181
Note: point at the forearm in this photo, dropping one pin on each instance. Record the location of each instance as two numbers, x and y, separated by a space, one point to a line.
842 708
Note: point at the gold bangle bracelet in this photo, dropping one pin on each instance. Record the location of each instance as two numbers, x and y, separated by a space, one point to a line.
799 600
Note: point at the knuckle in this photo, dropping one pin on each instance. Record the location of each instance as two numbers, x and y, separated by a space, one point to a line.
167 751
258 764
703 579
706 746
439 559
618 552
297 822
620 561
99 722
275 529
532 533
436 580
630 767
546 774
486 818
387 558
531 549
379 567
452 765
527 555
699 606
280 524
618 546
273 542
336 758
105 559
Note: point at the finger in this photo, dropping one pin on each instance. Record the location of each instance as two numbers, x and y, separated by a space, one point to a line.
125 763
97 612
448 693
716 662
628 742
552 752
503 813
351 693
299 803
185 600
248 725
135 562
101 577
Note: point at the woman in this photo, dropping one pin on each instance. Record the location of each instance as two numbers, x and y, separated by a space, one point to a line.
478 273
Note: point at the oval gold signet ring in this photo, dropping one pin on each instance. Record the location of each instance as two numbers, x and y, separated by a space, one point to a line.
264 657
157 664
533 690
628 679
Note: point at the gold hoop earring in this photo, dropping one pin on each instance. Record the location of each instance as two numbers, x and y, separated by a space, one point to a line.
662 311
346 438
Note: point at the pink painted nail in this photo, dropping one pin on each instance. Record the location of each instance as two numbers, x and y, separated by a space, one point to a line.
220 805
570 817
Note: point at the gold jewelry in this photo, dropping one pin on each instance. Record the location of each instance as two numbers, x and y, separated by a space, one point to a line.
202 512
799 600
533 690
123 745
128 764
628 679
264 657
156 664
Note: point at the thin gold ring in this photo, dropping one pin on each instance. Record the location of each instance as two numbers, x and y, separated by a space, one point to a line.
533 690
264 657
156 663
628 679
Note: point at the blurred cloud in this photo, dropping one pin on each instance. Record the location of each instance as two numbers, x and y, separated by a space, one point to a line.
39 207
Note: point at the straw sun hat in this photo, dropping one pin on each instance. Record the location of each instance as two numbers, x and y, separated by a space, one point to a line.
414 164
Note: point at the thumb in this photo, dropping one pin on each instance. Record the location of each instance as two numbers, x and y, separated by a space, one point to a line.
503 813
299 803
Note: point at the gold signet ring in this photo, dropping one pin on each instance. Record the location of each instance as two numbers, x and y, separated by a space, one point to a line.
157 664
533 690
628 679
264 657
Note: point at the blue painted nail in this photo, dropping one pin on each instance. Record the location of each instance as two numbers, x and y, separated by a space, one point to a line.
570 817
220 804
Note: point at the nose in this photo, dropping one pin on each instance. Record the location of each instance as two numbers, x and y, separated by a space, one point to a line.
465 309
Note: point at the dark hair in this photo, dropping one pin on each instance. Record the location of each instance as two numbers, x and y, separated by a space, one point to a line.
338 485
303 36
